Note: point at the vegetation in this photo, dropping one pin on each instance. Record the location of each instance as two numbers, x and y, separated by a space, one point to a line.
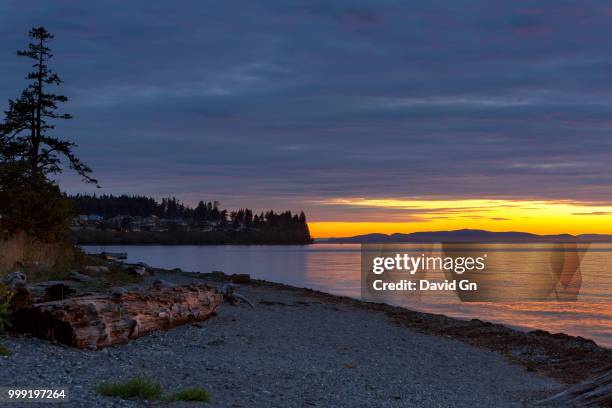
30 155
109 206
192 394
203 224
142 388
5 316
68 258
138 387
39 261
30 118
44 273
34 206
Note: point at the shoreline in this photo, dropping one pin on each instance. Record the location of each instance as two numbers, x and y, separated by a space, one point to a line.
563 357
463 317
301 347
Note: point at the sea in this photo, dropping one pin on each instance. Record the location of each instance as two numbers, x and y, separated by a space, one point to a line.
337 269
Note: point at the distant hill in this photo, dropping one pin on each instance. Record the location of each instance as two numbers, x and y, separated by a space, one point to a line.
468 235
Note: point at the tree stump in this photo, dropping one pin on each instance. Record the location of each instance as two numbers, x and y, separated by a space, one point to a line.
93 322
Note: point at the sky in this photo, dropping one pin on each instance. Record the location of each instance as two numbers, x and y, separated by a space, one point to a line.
371 116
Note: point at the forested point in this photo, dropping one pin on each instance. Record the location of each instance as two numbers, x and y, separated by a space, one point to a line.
108 219
33 152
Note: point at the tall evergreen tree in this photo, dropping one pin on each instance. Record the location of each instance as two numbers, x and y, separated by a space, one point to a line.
29 154
25 132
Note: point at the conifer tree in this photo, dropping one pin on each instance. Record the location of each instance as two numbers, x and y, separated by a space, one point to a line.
26 131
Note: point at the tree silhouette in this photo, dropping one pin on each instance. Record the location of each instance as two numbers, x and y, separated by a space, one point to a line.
25 132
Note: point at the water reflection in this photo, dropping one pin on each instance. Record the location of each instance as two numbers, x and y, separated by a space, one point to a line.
335 268
521 272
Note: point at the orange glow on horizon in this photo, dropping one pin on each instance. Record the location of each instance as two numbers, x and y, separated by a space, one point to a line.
538 217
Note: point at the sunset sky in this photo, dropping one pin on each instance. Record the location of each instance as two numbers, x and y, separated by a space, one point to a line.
371 116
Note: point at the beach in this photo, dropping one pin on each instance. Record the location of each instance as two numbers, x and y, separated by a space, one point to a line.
301 348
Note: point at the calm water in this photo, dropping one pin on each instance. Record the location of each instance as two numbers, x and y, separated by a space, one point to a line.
335 268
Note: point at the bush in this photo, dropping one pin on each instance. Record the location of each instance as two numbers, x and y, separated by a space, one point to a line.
192 394
135 388
35 206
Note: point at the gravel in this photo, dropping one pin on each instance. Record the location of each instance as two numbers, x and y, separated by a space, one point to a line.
290 351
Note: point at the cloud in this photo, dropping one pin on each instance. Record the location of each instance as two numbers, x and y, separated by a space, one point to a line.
283 103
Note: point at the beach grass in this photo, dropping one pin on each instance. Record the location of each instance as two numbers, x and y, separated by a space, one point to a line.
139 388
143 388
197 394
38 259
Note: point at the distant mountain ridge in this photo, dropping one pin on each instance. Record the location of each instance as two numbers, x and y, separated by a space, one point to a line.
468 235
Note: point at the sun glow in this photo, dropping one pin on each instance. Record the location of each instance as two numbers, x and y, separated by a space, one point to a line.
539 217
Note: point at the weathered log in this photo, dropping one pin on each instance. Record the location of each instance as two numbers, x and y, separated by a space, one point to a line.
100 321
593 392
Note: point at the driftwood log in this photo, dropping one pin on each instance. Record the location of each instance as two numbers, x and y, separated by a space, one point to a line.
99 321
593 392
